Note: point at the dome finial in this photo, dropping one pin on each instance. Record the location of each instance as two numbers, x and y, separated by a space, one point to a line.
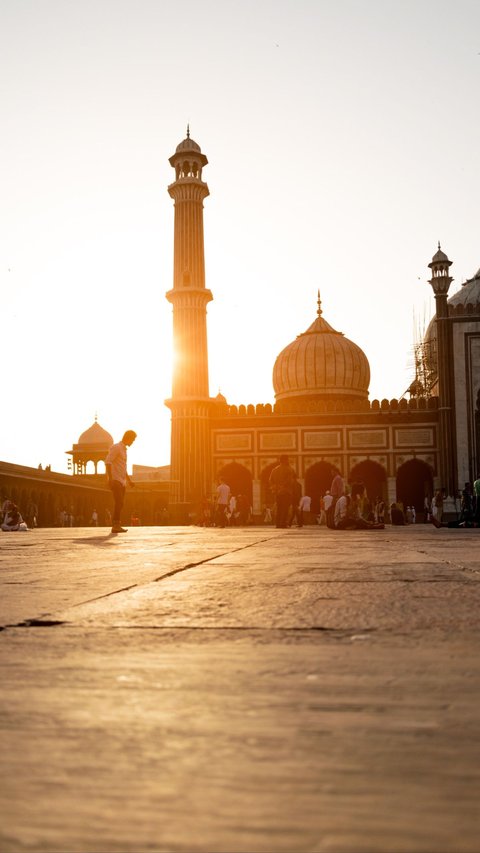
439 246
319 304
188 130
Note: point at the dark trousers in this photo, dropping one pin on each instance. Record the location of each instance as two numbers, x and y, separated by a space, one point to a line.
221 515
118 492
283 505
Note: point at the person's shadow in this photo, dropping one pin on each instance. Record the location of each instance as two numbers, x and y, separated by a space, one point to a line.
108 539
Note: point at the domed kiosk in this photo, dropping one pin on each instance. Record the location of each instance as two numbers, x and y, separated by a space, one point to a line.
92 446
464 302
321 364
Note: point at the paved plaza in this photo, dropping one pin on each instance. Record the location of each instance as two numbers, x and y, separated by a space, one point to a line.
193 690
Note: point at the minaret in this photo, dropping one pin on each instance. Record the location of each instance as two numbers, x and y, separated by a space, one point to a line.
440 282
190 401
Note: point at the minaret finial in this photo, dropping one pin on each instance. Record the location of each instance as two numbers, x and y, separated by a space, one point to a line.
96 417
319 303
439 247
188 130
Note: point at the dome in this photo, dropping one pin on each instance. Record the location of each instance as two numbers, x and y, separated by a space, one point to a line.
187 145
439 257
321 364
96 435
469 292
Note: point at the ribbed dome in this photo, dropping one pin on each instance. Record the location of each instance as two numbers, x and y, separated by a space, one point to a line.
439 257
96 435
187 145
321 364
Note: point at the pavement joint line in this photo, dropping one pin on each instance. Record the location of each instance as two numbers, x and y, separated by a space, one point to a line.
208 560
38 622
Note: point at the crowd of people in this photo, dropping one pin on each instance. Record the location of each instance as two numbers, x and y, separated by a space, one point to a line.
226 510
341 507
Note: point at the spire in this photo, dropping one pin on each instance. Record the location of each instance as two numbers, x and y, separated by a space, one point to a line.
319 304
188 137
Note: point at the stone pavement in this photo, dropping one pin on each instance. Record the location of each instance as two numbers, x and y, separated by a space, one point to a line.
182 689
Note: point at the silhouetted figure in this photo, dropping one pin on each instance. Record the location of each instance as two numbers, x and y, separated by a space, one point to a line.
221 505
304 506
282 483
116 467
396 515
337 490
12 519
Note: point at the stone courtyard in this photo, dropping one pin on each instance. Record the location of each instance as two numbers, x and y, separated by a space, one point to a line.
191 690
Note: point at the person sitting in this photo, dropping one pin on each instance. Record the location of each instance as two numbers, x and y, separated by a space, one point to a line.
348 512
396 514
12 520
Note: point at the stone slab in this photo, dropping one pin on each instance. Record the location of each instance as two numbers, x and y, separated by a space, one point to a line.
299 690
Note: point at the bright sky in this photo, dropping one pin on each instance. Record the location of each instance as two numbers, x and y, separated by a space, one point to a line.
343 143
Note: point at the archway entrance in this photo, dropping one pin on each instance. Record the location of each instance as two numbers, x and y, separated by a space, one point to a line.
414 481
373 476
318 479
239 479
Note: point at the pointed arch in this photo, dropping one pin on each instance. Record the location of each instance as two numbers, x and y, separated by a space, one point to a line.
318 479
373 476
414 482
238 478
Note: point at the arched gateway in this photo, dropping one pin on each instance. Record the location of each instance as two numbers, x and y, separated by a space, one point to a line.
414 482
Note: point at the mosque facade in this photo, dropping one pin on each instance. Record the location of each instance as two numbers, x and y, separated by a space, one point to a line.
322 417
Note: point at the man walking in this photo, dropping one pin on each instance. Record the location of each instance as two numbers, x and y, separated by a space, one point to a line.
282 483
116 467
223 497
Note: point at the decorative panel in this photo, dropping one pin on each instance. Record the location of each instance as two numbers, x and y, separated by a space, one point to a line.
233 441
414 437
367 438
278 441
314 440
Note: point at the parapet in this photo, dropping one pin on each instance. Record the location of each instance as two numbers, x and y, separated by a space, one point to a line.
326 407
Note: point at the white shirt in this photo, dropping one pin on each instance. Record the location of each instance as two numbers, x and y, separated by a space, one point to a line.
305 503
327 502
117 458
340 510
223 493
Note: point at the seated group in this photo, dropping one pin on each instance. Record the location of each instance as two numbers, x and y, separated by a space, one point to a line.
347 513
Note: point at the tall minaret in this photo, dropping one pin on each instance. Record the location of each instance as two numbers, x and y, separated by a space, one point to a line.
440 282
190 466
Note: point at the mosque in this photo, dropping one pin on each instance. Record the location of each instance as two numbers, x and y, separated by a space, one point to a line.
322 418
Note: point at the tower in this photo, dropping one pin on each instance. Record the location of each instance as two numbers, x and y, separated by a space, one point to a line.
190 400
440 282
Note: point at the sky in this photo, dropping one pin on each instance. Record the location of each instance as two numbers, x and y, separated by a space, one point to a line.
343 140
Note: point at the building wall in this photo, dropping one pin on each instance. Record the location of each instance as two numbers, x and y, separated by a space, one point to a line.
466 367
389 434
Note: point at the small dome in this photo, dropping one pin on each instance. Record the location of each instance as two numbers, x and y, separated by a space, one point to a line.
187 145
321 364
96 435
439 256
